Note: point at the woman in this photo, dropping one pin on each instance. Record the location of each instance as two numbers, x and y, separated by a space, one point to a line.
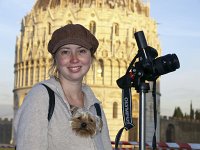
72 48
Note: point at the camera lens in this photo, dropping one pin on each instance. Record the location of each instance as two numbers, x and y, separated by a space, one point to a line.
166 64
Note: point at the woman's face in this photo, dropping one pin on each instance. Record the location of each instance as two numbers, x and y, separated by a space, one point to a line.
73 62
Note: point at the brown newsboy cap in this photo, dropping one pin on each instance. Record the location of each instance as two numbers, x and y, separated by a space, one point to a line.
72 34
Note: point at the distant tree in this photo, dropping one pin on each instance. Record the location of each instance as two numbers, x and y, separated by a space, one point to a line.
191 112
178 113
197 114
187 116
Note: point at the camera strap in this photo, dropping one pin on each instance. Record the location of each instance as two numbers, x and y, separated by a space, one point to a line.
127 114
127 108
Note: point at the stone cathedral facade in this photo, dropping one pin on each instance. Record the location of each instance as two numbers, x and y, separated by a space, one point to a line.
114 23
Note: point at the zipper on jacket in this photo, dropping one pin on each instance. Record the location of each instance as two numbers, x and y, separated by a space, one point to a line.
63 101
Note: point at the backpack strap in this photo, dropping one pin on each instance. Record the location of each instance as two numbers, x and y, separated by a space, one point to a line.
51 102
98 109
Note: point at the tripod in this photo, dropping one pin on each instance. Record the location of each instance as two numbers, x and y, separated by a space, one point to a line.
143 89
147 68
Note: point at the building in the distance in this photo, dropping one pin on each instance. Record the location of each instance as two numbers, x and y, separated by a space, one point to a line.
114 23
5 130
180 130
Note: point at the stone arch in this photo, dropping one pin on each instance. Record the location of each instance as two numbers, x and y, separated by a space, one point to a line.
49 28
31 72
116 29
39 54
43 69
92 27
115 110
117 46
133 32
99 71
26 66
38 44
27 46
115 71
108 72
138 7
100 67
33 30
123 67
68 22
55 3
90 77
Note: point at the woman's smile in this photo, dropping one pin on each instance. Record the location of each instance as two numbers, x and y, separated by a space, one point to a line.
74 69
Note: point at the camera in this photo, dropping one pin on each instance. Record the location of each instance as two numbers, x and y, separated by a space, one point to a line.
165 64
148 67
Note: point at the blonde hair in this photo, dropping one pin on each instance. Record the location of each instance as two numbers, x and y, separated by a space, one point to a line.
53 70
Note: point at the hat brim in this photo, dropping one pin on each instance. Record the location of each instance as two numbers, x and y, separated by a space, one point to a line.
75 41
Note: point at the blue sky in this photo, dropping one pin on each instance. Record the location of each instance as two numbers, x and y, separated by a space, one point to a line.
179 33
